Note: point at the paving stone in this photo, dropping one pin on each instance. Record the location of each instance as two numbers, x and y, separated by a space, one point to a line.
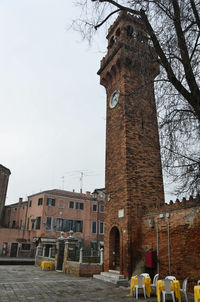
29 283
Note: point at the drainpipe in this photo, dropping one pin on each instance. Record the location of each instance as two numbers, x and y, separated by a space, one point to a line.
169 255
25 227
157 239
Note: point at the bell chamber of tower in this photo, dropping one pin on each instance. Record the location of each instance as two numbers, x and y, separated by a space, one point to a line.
133 164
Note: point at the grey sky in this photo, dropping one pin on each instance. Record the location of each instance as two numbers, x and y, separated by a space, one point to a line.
52 106
52 124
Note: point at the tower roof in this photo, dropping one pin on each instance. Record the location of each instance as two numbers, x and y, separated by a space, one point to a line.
4 169
124 17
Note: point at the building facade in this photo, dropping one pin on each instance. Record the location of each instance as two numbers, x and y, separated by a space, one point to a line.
45 215
4 177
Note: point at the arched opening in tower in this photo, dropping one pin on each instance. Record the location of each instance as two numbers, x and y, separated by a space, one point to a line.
114 243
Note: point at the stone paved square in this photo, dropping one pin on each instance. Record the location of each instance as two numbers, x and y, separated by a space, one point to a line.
29 283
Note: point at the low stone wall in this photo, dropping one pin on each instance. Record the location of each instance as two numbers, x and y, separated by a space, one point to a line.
82 269
39 259
26 254
91 260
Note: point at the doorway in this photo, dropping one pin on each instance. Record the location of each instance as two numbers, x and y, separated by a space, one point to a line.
114 249
14 249
47 247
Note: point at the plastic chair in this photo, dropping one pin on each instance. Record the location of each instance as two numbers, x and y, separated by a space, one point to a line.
140 285
154 284
198 282
184 288
144 275
168 290
172 278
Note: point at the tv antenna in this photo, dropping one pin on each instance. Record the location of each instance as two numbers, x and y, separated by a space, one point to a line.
81 182
63 181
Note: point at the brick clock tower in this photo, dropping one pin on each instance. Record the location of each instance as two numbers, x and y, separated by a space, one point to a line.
133 165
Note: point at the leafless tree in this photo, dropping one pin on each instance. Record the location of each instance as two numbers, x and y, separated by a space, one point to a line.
173 29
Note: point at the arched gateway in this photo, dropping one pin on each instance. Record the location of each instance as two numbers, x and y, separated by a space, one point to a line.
114 247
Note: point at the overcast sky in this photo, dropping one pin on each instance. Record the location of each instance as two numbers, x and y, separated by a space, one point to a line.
52 124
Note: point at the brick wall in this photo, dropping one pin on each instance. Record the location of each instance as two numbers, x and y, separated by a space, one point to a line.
181 230
82 269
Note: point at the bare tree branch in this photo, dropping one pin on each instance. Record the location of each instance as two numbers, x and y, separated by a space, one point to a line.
173 31
100 24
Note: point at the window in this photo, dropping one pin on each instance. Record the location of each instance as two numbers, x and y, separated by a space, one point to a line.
40 201
112 41
71 204
79 206
48 223
38 222
30 203
102 208
129 30
95 195
102 194
58 224
67 225
64 225
32 224
94 227
51 202
94 208
79 226
26 246
13 224
118 32
101 227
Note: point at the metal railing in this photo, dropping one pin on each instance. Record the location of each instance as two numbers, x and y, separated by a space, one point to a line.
78 255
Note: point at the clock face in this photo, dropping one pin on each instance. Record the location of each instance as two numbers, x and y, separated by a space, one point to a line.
114 98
